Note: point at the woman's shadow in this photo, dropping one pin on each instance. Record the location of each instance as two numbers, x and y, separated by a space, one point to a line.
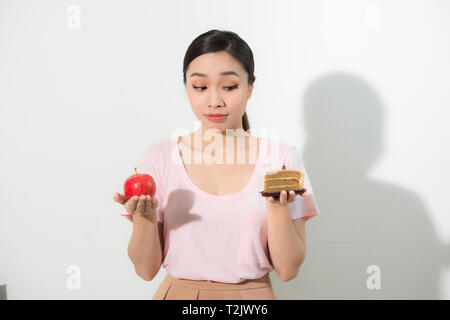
373 239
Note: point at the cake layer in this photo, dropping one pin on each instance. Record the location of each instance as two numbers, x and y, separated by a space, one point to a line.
284 173
282 181
281 188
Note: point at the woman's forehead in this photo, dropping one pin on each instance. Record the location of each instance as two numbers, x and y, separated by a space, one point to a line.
215 64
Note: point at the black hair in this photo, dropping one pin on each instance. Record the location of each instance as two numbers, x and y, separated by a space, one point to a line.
218 40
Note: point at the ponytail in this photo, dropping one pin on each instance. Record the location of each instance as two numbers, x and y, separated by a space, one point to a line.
245 123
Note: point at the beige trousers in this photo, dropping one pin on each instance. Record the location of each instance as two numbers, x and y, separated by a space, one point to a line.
172 288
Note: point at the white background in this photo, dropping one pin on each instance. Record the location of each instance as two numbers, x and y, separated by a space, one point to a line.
360 87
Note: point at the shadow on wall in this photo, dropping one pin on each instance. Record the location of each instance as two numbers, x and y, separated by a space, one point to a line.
3 292
363 221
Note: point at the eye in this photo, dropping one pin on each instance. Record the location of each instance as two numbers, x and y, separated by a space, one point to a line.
198 87
230 88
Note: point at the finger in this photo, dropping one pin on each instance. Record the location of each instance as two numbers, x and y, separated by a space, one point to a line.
155 203
291 196
121 197
283 197
130 205
148 203
288 196
118 198
140 208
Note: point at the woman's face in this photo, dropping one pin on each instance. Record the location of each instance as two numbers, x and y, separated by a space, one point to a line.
209 91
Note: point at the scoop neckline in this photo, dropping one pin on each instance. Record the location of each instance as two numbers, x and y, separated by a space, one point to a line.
223 197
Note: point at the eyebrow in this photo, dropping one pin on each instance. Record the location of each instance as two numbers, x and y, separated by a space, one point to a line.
226 73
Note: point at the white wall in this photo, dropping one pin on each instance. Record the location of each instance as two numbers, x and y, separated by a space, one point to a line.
361 87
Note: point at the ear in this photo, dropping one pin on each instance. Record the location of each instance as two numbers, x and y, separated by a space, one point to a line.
250 90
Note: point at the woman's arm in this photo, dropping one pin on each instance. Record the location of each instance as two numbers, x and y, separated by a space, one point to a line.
287 251
145 247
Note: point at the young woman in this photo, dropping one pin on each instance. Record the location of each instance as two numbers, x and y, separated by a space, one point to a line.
208 224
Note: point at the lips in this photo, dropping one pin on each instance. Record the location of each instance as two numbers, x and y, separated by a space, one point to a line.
216 117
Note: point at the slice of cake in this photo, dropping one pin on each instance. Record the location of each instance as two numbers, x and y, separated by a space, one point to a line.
279 180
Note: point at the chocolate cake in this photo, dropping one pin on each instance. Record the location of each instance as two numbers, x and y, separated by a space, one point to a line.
279 180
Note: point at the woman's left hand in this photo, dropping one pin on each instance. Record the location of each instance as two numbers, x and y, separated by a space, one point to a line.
284 199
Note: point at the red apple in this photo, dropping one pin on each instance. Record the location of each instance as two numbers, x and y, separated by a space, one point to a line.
139 184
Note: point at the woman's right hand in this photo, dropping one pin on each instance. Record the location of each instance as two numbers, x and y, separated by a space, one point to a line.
143 206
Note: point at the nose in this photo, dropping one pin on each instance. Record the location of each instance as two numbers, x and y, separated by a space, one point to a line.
215 99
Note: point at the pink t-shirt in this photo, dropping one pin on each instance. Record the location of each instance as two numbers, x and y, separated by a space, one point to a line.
218 237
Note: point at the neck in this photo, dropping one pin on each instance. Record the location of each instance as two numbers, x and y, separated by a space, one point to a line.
204 136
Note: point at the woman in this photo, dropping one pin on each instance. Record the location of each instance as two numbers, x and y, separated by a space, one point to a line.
208 225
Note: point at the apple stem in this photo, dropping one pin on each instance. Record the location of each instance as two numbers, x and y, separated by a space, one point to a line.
135 170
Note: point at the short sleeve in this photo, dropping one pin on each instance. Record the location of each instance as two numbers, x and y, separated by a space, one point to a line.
303 206
146 165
